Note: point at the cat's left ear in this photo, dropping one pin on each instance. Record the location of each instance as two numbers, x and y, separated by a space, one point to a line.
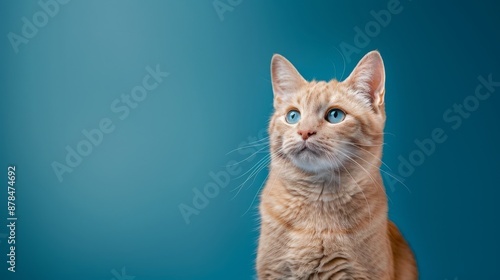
368 78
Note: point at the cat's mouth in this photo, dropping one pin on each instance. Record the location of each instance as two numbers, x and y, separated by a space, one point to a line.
307 147
310 157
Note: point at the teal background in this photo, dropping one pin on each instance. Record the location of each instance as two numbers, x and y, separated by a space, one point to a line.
120 207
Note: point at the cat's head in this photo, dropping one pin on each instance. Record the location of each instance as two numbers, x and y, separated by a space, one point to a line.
322 126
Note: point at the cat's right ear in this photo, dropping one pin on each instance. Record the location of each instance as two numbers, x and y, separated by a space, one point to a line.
285 78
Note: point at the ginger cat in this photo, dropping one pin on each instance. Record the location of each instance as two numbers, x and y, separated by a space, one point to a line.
324 207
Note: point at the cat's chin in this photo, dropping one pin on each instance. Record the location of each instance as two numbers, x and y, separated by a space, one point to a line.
313 164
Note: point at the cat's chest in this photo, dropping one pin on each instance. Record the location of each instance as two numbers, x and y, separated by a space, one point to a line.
324 256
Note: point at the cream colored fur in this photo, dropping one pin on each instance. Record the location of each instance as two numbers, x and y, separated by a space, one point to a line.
324 207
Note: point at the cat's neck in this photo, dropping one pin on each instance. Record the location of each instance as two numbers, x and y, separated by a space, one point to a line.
338 201
329 184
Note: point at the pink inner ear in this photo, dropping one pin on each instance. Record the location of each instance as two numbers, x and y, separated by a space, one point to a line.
285 78
377 83
369 77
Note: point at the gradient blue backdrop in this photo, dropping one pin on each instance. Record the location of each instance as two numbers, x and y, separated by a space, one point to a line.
120 207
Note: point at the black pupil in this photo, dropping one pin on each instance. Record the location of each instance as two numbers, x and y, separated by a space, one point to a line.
292 115
335 113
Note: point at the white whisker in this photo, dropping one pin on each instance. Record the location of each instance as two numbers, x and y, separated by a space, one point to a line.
353 144
253 154
255 196
247 147
382 171
362 192
368 173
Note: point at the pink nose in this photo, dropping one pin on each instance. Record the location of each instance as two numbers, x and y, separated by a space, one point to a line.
306 133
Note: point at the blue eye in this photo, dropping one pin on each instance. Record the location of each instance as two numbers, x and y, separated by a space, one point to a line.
335 116
293 117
